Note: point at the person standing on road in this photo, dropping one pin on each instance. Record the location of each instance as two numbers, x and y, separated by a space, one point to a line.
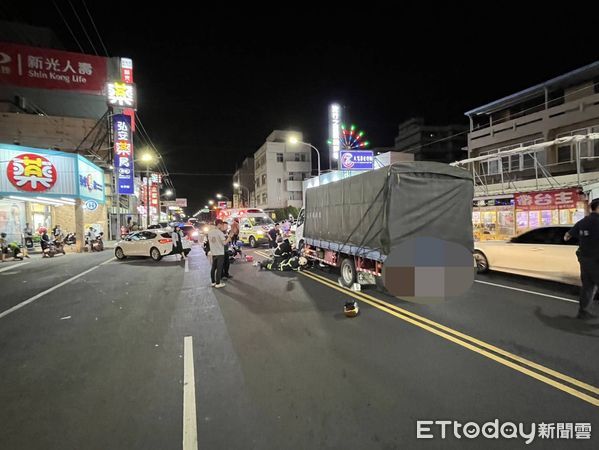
586 231
28 235
177 242
217 241
234 231
91 238
227 261
273 234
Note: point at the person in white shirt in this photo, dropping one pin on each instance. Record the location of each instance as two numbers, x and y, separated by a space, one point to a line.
217 241
91 237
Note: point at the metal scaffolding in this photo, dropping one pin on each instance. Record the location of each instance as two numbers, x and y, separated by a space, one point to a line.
481 187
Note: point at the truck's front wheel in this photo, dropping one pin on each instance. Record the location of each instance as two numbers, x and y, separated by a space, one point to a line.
348 272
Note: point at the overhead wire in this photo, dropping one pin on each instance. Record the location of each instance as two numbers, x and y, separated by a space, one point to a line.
68 26
95 28
83 28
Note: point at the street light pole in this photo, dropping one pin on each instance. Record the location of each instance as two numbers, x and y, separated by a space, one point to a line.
295 141
148 196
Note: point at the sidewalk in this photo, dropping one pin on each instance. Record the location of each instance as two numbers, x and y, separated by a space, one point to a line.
37 250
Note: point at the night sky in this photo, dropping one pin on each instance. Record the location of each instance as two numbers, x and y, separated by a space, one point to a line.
213 84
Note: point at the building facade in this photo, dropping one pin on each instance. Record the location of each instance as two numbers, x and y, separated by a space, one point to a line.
279 169
55 99
534 155
431 142
44 188
244 195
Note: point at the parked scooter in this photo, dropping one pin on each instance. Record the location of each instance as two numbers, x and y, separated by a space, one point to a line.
70 239
59 246
98 243
53 248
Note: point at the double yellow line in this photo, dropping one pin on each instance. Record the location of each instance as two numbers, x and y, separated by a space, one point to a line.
577 388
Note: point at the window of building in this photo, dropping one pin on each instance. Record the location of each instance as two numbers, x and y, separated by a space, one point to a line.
279 157
264 197
489 167
297 157
528 161
564 154
263 179
257 182
303 156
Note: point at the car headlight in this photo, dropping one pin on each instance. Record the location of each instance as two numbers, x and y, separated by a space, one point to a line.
205 229
194 234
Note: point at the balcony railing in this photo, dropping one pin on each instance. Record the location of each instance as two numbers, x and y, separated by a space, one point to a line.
580 110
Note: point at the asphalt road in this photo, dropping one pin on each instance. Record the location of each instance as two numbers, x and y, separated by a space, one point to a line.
123 355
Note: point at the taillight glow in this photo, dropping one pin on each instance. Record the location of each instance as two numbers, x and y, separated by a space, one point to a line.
165 241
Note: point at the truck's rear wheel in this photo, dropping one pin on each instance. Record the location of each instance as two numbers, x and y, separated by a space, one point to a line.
348 272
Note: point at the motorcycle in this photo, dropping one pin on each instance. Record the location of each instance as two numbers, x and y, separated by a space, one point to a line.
52 248
98 243
70 239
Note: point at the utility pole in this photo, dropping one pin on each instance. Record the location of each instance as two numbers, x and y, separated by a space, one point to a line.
148 196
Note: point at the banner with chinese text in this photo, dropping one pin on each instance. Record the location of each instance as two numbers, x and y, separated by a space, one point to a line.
123 154
45 68
556 199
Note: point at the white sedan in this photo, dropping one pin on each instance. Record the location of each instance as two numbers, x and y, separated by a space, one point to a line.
539 253
152 243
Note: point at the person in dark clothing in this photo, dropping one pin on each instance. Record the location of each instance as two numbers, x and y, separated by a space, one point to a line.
273 234
227 262
45 240
28 235
178 242
587 232
284 248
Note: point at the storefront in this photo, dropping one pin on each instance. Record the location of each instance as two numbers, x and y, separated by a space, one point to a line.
493 218
509 215
541 209
45 188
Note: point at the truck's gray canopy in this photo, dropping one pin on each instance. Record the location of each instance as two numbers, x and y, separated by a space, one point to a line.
381 208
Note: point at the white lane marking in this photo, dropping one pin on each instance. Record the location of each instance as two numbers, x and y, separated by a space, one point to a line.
190 430
47 291
13 266
187 265
110 260
528 292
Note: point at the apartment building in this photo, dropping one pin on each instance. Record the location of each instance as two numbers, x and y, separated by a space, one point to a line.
535 155
279 169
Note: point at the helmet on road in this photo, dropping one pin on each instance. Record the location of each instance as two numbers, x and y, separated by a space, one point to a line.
351 309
